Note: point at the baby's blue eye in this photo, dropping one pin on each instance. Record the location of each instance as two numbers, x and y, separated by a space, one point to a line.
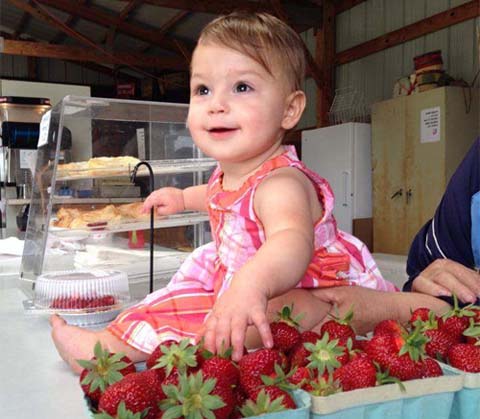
202 90
242 87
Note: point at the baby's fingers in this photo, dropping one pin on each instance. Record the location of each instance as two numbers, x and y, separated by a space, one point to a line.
239 327
260 321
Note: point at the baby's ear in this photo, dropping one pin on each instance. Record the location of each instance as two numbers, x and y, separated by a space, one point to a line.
294 107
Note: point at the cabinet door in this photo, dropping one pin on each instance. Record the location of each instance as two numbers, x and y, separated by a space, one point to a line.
388 164
425 160
328 151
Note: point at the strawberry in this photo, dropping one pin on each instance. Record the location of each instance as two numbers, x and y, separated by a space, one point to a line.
267 399
157 353
255 364
422 314
431 368
325 354
284 329
181 357
298 354
323 385
197 397
222 369
339 327
438 343
389 326
400 355
103 370
136 391
122 413
360 372
465 357
472 333
300 376
380 348
456 321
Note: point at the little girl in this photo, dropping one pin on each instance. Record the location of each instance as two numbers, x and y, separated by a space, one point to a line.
275 237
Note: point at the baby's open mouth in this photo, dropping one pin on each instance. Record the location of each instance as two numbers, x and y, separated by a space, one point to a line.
220 129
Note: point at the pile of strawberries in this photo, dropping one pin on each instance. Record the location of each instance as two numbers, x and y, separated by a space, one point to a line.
454 337
77 303
186 381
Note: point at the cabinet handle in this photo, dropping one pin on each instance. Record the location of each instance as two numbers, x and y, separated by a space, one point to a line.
409 195
398 193
345 186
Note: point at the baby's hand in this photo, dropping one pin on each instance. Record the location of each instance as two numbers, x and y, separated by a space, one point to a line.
167 201
237 308
444 277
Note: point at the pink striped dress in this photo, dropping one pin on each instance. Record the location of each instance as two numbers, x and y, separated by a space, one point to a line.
179 310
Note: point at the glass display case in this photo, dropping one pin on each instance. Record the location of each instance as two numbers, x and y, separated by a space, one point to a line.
85 207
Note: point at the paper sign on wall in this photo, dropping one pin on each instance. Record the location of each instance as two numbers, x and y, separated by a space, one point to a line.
44 126
430 125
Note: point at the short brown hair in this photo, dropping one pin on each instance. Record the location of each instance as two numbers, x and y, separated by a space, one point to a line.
262 37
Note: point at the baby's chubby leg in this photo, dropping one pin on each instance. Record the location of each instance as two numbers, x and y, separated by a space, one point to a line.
304 302
74 343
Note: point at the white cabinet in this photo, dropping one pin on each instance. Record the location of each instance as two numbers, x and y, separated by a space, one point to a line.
341 155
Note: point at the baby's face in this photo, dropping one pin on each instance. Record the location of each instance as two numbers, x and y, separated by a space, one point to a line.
236 106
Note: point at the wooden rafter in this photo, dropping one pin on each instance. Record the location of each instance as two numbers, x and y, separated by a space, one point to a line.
71 20
423 27
89 65
325 55
305 18
100 17
124 15
73 53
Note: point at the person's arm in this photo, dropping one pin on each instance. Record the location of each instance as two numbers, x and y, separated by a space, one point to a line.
195 198
167 201
283 203
372 306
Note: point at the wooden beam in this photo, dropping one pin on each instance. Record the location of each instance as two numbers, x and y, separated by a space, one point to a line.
64 52
100 17
343 5
71 20
423 27
38 13
125 13
305 18
325 56
91 66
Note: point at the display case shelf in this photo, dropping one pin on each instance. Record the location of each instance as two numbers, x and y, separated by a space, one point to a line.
176 220
159 167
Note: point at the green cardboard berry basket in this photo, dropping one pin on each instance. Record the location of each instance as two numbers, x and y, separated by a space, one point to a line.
428 398
466 403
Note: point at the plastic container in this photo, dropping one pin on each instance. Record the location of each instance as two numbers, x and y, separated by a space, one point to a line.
466 403
82 297
425 398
